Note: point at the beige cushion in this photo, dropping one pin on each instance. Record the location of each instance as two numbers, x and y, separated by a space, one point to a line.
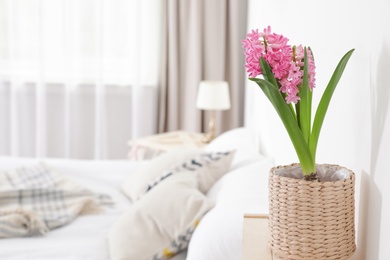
209 167
162 222
137 182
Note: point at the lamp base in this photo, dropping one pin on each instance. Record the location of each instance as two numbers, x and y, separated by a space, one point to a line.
211 134
207 138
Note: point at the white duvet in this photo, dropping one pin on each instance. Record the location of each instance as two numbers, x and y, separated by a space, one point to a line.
86 237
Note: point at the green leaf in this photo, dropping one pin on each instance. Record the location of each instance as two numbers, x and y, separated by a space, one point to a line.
312 54
267 73
310 93
298 109
324 103
305 102
291 125
269 76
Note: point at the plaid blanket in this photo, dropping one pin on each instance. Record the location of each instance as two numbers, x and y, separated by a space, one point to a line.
37 199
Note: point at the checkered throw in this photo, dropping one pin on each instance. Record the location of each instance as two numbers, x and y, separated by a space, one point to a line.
37 199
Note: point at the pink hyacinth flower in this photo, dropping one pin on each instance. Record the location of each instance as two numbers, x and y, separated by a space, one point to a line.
286 62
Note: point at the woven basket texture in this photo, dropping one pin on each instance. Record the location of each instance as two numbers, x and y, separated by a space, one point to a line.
311 220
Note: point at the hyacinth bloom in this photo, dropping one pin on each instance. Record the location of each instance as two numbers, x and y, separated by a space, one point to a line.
288 77
285 61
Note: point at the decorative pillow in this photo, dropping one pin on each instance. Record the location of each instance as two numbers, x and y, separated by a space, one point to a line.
209 167
137 182
160 224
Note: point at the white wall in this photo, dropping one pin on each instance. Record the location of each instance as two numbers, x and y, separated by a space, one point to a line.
356 131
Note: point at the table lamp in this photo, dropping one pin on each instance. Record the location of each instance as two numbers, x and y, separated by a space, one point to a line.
213 96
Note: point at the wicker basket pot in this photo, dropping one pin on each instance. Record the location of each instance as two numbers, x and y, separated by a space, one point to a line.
312 220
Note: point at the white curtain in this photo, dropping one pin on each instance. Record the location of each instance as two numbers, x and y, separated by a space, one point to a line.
77 78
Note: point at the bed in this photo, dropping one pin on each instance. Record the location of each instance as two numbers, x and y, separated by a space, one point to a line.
241 189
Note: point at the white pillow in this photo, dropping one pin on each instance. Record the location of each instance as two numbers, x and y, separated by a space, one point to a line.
242 140
239 192
160 224
136 183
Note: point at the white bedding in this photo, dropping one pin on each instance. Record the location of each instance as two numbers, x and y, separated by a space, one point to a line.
218 236
86 237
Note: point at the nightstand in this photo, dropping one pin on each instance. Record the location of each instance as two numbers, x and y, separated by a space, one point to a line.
151 146
255 238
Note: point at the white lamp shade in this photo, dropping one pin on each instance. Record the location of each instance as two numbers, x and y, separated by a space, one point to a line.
213 95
